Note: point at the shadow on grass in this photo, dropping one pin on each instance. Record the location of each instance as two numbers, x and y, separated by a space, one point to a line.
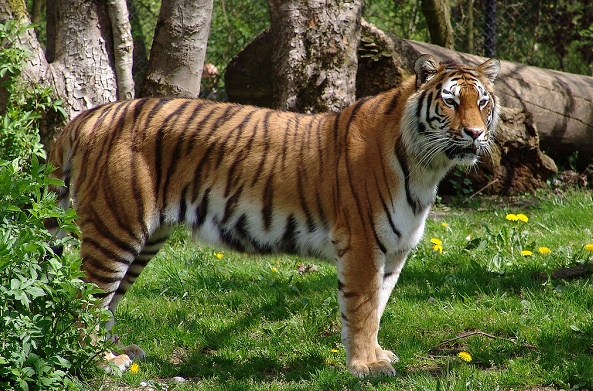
560 353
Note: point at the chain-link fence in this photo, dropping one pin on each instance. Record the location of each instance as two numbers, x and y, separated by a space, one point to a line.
556 34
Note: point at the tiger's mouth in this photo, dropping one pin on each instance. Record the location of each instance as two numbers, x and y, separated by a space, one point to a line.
464 152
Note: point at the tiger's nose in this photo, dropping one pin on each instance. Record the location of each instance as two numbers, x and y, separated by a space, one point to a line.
473 133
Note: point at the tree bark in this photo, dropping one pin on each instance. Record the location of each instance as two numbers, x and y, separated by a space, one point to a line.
123 47
314 53
438 20
179 49
81 69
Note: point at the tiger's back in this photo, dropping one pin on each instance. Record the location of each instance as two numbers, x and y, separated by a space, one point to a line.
349 187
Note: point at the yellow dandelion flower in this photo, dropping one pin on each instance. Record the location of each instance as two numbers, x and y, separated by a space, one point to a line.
544 250
445 225
522 217
274 269
512 217
437 245
134 368
219 255
526 253
465 356
335 350
589 246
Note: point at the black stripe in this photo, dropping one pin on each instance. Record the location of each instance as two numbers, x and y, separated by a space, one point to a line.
110 254
404 165
231 205
309 217
392 102
388 214
183 204
229 239
421 127
351 181
420 102
176 156
99 224
96 264
170 122
288 243
377 240
197 180
202 208
266 142
428 104
387 275
268 202
198 128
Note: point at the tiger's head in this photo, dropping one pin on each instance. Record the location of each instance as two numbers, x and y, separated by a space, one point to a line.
454 111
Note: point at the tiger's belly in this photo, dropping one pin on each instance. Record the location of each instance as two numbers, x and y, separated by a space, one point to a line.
241 226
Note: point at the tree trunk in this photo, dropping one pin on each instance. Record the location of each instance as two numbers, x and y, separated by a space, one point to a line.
438 20
123 47
179 49
81 71
314 53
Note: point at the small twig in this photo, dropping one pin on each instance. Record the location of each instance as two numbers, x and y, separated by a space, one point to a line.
480 332
484 188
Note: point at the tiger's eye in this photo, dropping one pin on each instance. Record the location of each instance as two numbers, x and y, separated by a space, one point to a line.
450 102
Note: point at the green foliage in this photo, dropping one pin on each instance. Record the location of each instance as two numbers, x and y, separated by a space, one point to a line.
47 313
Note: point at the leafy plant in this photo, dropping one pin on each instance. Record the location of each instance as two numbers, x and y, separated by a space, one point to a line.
47 313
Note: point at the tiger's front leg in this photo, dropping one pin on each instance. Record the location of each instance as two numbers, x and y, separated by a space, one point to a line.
360 283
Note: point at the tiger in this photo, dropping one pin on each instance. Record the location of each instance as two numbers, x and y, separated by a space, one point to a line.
352 187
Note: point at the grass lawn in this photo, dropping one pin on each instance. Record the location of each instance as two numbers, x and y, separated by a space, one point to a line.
226 321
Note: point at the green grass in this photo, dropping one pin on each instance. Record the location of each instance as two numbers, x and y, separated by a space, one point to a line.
244 322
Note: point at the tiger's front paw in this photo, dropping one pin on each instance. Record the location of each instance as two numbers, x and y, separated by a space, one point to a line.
375 368
385 354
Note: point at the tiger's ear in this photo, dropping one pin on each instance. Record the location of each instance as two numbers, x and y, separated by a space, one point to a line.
490 69
426 67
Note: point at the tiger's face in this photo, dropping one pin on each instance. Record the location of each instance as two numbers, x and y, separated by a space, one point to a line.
456 110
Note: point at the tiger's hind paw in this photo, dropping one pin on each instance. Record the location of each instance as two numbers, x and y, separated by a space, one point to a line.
376 368
121 362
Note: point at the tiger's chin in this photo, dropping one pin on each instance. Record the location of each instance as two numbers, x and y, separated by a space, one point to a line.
467 156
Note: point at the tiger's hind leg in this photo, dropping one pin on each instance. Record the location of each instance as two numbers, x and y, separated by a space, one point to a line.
114 272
